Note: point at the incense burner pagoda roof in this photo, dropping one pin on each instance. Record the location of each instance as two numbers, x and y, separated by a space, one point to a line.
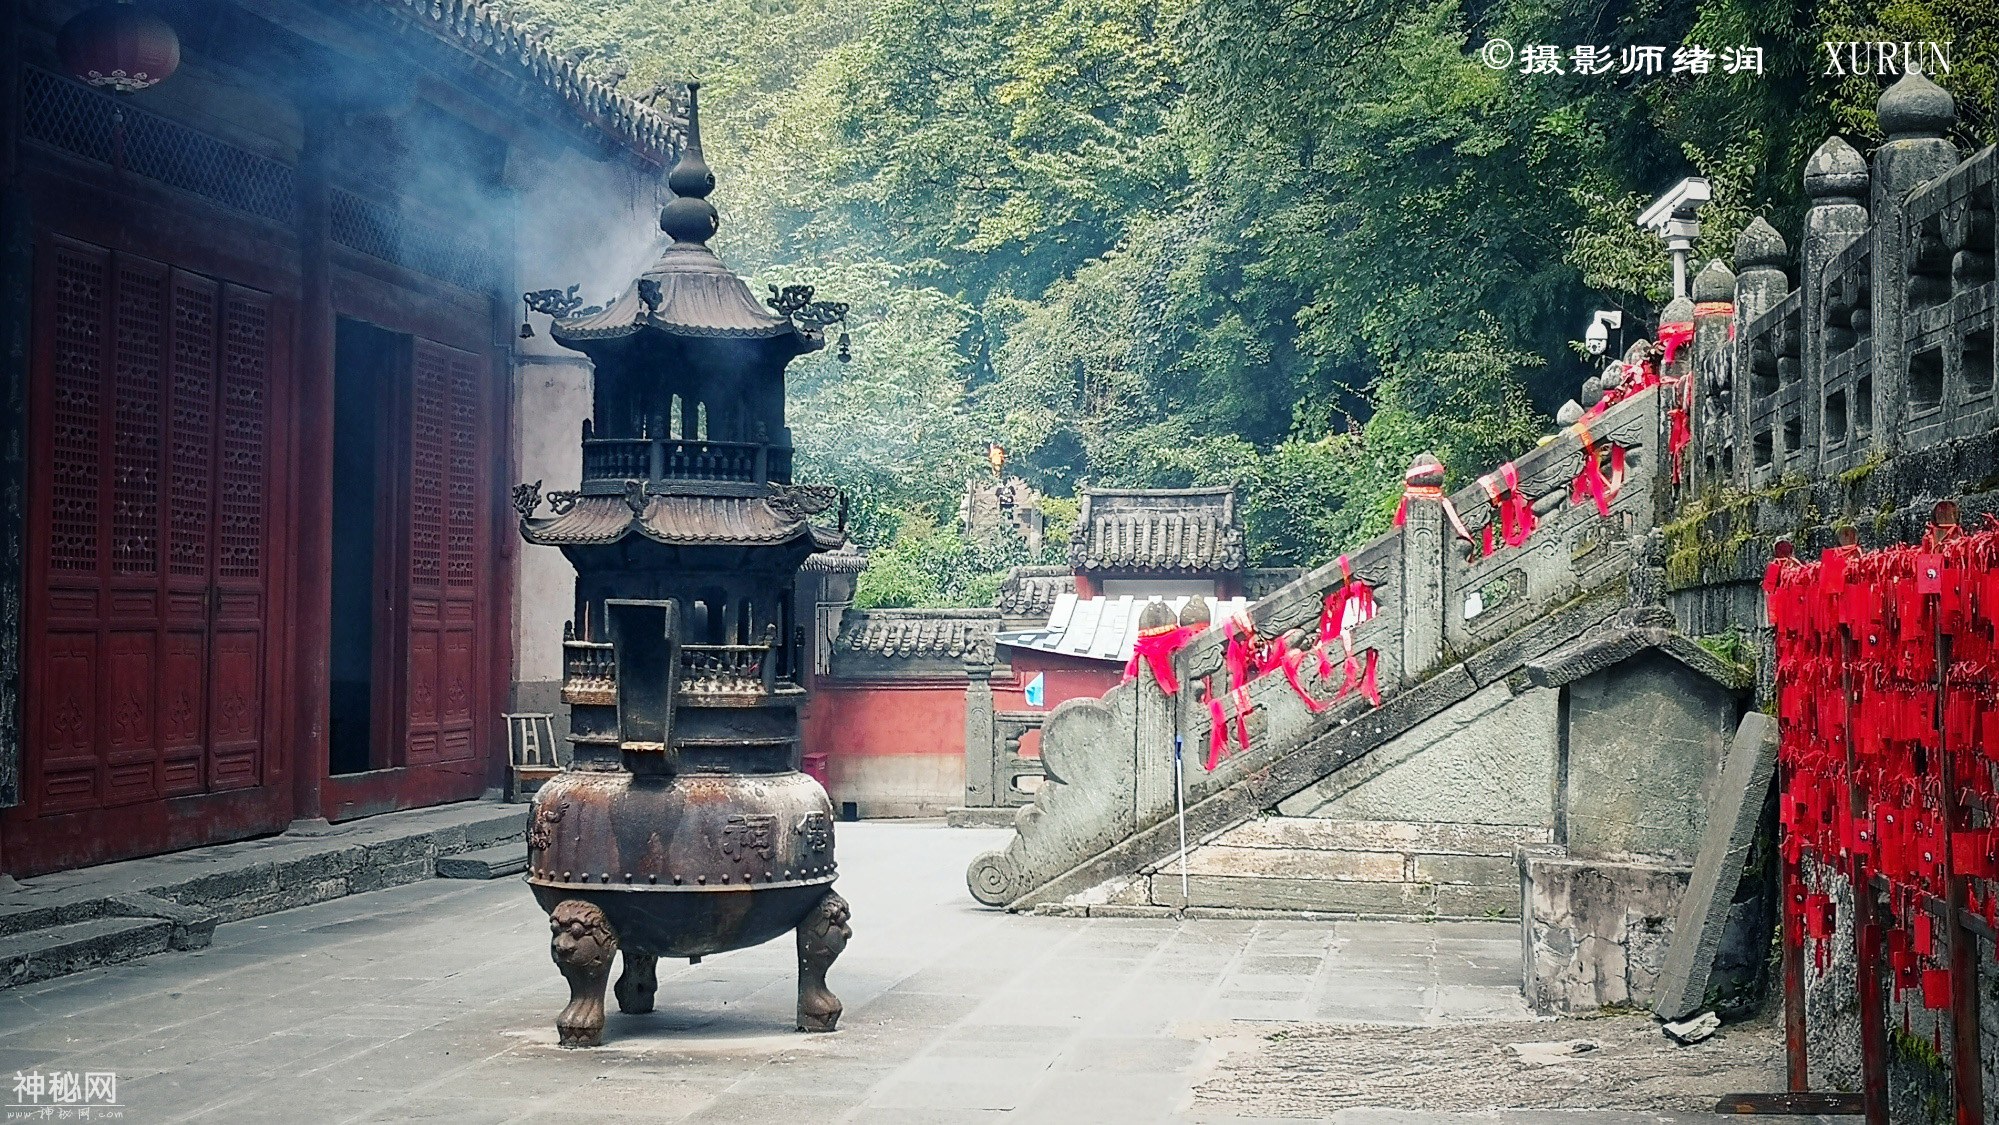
681 521
696 295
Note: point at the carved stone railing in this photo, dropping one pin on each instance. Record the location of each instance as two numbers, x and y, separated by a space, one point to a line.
1775 390
1947 342
1109 761
658 459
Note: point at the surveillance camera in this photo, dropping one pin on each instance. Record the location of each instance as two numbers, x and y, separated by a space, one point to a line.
1679 203
1597 337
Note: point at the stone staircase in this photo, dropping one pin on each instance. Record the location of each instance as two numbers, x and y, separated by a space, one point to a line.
1410 809
1368 868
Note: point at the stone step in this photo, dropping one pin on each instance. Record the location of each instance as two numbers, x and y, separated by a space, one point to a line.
189 892
1415 837
72 947
486 863
1415 900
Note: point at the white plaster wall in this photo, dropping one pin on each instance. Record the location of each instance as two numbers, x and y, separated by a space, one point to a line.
593 224
1488 760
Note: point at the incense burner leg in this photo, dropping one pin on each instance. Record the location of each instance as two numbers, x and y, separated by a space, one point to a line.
636 983
583 944
821 937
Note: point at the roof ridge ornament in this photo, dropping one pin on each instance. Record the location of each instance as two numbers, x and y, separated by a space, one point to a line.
689 217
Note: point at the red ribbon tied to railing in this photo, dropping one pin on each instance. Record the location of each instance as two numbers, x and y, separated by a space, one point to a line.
1590 482
1155 650
1513 510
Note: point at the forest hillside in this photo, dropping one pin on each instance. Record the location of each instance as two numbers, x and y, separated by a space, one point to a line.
1284 244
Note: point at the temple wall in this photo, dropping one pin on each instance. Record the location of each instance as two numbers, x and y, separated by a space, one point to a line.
893 748
578 221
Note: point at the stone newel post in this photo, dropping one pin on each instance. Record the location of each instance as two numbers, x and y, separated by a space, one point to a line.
1423 532
981 781
1760 285
1915 113
1710 409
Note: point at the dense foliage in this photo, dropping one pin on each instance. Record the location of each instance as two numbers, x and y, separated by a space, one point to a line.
1283 243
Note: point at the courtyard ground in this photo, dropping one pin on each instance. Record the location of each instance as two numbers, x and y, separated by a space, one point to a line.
435 1002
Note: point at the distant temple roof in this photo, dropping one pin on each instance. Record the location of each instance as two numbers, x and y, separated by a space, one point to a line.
502 47
1030 591
904 633
1175 530
846 560
679 521
1102 628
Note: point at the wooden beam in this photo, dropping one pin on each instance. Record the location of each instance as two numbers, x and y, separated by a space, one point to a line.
1792 1102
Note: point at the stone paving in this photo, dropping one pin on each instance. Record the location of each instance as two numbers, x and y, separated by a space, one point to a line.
435 1002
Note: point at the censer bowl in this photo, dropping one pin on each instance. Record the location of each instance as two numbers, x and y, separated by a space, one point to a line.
652 865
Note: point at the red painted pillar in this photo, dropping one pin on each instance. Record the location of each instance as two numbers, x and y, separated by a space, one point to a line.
313 551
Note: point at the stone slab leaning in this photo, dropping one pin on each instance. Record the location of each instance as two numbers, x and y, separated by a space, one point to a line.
1731 831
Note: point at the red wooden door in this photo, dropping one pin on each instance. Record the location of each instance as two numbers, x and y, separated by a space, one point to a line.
147 569
446 551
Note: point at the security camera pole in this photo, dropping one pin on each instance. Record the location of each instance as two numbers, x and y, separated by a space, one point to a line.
1672 218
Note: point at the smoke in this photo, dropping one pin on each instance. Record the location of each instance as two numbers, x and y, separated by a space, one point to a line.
533 210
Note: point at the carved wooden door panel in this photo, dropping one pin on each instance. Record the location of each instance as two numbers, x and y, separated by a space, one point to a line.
147 579
447 515
239 641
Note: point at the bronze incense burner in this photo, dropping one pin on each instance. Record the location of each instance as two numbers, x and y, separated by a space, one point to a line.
682 826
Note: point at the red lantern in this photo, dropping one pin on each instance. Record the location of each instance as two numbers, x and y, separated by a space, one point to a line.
119 47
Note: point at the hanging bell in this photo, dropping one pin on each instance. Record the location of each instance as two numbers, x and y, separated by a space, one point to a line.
527 330
846 354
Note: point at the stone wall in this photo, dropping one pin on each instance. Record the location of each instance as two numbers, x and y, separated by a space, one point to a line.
1851 405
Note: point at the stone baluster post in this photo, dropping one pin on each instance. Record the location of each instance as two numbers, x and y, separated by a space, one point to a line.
1760 284
1423 545
1836 180
1709 407
981 755
1915 113
1157 716
1679 310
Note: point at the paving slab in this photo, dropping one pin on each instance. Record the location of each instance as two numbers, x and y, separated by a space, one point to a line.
434 1001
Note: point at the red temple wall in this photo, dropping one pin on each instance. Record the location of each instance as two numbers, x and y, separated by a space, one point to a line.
1064 678
897 748
892 749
